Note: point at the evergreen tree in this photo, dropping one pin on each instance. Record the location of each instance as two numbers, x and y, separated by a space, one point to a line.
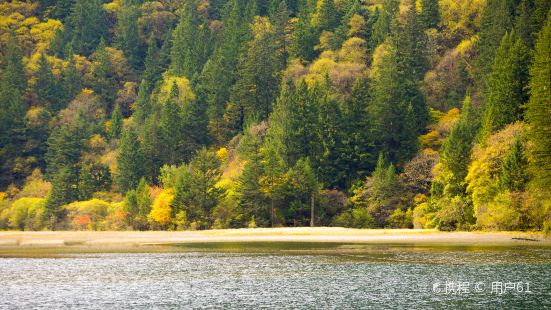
381 26
430 13
171 129
398 112
303 39
327 16
190 43
64 149
87 25
494 23
116 123
104 81
333 167
506 85
64 191
12 113
539 107
196 191
294 125
258 75
152 66
130 161
86 184
71 84
252 199
142 107
127 37
138 205
513 169
195 128
46 85
455 153
303 182
357 139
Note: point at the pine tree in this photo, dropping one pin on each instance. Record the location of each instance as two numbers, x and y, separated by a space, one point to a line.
12 112
333 167
327 16
64 191
104 81
116 123
513 169
196 191
71 84
142 107
303 182
506 85
430 13
127 37
539 107
170 129
86 184
251 197
494 23
130 161
258 74
398 112
64 148
455 153
152 66
46 85
190 43
195 128
303 39
357 139
87 26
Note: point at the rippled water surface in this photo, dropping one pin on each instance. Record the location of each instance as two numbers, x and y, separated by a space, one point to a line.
232 276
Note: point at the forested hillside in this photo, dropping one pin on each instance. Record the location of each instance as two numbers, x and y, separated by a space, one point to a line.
197 114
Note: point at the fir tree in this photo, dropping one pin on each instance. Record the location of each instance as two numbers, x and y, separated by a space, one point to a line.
455 153
506 85
127 37
104 81
513 169
46 85
539 107
71 84
152 66
258 75
327 16
430 13
87 26
130 161
170 129
494 23
142 107
116 123
190 43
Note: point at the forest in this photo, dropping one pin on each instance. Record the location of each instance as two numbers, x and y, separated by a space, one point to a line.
207 114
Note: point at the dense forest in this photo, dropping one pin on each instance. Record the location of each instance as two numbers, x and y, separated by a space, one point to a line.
198 114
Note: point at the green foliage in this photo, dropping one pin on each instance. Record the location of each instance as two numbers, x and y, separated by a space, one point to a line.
116 123
127 37
196 191
507 82
430 13
27 214
537 110
130 161
87 25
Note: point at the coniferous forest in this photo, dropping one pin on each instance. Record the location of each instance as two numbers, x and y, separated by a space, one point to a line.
198 114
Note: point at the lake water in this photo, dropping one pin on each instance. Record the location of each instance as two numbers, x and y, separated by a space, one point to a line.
290 276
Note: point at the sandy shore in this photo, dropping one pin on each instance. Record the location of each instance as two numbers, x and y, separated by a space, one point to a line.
16 239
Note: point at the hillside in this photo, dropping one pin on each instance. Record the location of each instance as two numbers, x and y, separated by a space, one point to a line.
213 114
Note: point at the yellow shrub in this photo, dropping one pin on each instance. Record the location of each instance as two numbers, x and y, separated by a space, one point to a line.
161 212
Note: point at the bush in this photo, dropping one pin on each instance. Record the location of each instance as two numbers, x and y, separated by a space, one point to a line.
355 218
88 215
26 214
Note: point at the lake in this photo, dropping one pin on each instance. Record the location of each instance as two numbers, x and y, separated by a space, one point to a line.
283 275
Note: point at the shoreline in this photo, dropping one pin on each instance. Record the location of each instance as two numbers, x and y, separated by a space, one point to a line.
10 240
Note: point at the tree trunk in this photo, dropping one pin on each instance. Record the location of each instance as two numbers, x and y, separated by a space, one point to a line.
312 211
